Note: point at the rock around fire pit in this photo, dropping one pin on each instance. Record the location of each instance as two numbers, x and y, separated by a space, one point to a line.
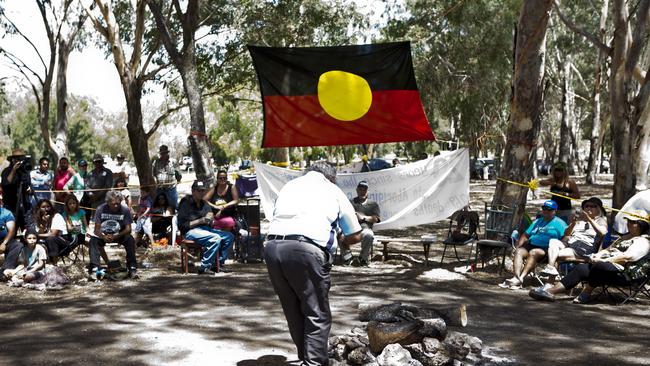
401 334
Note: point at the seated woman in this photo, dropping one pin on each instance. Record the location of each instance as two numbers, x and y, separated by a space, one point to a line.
533 243
31 261
223 198
50 227
162 214
586 230
616 265
563 185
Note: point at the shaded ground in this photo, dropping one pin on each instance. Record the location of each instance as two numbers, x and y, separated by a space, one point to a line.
235 319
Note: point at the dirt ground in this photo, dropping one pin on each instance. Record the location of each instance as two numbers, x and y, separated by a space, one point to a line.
166 318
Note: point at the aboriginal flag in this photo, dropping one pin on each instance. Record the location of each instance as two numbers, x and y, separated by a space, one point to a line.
319 96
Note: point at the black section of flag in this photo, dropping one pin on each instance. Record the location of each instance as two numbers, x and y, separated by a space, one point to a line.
295 71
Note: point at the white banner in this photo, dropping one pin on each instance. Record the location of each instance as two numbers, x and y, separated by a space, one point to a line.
419 193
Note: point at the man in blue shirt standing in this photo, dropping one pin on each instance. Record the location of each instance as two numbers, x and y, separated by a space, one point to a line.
298 253
8 244
532 245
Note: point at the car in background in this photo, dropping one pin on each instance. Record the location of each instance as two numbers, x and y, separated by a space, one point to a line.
481 166
186 163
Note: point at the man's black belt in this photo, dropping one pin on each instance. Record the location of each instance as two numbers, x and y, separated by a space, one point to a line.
291 237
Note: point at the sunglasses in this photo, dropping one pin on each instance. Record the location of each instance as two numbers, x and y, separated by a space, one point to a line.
222 178
547 209
591 206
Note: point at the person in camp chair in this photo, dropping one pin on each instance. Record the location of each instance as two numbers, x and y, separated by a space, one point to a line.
368 214
532 245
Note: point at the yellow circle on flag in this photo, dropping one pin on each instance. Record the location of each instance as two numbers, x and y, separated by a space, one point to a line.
343 95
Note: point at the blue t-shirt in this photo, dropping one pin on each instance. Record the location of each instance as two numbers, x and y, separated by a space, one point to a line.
541 232
5 217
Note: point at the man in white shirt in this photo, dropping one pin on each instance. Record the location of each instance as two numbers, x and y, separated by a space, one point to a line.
298 253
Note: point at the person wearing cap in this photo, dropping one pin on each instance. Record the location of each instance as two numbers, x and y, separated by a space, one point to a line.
562 185
76 184
42 180
122 169
8 243
64 172
300 245
533 243
166 173
625 260
16 187
582 237
367 212
113 225
98 182
194 219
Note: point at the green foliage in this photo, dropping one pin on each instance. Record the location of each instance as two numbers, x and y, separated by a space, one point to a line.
463 62
25 131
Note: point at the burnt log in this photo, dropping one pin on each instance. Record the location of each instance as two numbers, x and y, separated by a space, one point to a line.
453 315
381 334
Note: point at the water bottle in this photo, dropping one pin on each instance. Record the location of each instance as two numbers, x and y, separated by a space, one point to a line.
514 236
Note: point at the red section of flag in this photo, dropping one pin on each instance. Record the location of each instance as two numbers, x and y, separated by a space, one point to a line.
395 115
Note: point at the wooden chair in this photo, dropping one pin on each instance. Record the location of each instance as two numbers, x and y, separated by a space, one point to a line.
498 228
190 248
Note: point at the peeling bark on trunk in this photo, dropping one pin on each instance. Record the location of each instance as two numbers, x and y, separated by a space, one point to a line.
565 122
527 104
595 144
60 145
620 87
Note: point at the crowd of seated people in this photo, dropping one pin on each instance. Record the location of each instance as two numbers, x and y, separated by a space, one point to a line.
54 209
625 260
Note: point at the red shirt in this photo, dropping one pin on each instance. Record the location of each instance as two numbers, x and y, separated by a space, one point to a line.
62 177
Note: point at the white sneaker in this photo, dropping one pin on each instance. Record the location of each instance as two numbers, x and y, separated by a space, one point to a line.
549 271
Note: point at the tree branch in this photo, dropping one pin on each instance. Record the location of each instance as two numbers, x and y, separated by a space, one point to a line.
639 37
26 39
138 37
161 118
590 37
164 32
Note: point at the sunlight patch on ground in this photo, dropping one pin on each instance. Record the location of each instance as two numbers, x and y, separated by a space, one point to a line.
181 347
439 274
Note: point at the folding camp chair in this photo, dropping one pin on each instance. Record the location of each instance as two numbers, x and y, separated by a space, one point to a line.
498 228
463 231
633 287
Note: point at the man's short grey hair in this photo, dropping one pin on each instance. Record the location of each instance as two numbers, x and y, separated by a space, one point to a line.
114 195
324 168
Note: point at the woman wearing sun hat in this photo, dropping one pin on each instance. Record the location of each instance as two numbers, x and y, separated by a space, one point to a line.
581 239
562 185
626 259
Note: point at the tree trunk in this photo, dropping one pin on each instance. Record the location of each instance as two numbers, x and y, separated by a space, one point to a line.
454 315
198 137
60 145
619 82
593 164
137 136
565 121
527 104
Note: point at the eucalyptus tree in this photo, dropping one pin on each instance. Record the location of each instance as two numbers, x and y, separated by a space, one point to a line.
526 104
63 22
629 93
137 62
217 64
462 66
